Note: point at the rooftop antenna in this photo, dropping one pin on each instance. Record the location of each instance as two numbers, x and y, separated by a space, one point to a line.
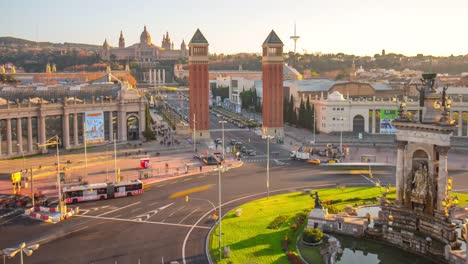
295 38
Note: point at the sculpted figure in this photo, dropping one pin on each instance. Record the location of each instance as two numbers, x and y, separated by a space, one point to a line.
420 182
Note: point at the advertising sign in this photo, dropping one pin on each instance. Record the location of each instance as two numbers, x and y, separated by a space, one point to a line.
386 118
94 127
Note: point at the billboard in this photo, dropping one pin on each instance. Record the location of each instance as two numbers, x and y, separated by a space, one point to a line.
386 118
94 127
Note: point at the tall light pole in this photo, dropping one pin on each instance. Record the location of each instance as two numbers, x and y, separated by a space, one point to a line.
194 136
55 140
222 122
115 157
268 137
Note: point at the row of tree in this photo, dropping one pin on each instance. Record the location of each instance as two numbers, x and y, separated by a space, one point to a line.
303 117
221 91
250 99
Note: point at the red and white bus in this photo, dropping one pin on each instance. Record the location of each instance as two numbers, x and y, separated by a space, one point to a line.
102 191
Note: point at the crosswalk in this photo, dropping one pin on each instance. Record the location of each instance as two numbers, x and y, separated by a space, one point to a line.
273 162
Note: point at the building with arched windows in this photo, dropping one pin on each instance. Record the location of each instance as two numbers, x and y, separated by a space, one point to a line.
144 52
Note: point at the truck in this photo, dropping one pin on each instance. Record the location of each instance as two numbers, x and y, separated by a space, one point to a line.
299 155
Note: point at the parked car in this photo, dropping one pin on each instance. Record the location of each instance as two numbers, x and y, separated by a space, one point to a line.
243 149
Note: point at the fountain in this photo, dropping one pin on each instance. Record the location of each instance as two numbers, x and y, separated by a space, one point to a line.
419 221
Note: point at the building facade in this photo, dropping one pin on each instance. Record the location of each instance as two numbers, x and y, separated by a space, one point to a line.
144 52
24 126
199 86
272 67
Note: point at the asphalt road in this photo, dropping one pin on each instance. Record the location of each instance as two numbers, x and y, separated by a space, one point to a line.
154 228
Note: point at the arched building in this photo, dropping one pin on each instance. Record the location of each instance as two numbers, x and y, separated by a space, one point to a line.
56 110
144 52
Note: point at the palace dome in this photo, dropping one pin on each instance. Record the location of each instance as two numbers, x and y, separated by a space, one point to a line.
145 38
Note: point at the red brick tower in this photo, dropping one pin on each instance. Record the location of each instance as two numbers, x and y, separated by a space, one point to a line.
272 67
199 86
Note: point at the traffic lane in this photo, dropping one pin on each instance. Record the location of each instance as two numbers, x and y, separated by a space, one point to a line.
115 241
460 180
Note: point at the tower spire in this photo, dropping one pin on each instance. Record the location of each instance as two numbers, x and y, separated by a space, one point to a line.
295 37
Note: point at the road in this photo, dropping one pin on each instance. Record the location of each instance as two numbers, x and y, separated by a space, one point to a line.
154 228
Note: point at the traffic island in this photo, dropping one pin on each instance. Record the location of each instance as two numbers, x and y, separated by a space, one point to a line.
51 214
249 239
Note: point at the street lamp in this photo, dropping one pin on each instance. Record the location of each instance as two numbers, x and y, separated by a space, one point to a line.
28 250
55 140
268 137
222 122
220 169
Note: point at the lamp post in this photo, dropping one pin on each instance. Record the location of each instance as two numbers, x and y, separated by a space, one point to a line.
268 137
55 140
28 250
115 157
194 135
222 122
220 169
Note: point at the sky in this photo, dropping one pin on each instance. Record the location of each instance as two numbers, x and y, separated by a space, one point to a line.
360 27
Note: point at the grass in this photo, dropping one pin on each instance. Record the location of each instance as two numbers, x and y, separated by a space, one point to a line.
251 240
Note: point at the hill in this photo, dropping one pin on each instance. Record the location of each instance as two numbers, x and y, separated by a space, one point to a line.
15 42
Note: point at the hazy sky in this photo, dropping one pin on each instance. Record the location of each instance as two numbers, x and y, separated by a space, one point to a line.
362 27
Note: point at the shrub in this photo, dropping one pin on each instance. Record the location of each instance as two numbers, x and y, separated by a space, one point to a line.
312 235
300 218
293 226
277 222
332 209
294 258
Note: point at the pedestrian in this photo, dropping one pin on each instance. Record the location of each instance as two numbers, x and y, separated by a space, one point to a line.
201 168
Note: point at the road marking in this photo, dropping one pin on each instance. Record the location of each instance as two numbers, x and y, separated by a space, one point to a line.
151 204
173 182
171 214
373 182
187 179
117 216
146 222
161 185
150 214
188 215
119 208
203 176
136 209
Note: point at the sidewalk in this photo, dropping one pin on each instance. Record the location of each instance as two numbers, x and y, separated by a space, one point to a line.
103 170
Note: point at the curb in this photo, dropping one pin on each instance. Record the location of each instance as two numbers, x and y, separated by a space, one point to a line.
186 175
38 213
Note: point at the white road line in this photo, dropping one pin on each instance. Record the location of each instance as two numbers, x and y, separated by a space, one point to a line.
146 222
117 216
196 209
151 204
136 209
187 179
119 208
373 182
86 211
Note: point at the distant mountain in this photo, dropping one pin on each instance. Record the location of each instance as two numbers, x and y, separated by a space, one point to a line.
11 41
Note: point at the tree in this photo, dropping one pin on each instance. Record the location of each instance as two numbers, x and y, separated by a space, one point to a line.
292 112
148 133
302 114
309 114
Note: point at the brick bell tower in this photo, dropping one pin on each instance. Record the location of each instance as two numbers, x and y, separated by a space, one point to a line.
199 86
272 67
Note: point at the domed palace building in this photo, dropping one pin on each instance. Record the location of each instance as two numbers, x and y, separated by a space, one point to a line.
144 52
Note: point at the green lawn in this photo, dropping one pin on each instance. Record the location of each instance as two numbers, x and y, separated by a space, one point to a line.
251 241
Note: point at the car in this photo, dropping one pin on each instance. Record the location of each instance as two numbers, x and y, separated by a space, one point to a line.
252 152
314 161
243 149
218 141
332 161
233 141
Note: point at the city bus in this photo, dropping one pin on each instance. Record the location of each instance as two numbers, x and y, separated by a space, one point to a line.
101 191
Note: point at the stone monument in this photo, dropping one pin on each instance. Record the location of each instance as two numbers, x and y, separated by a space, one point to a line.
419 216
